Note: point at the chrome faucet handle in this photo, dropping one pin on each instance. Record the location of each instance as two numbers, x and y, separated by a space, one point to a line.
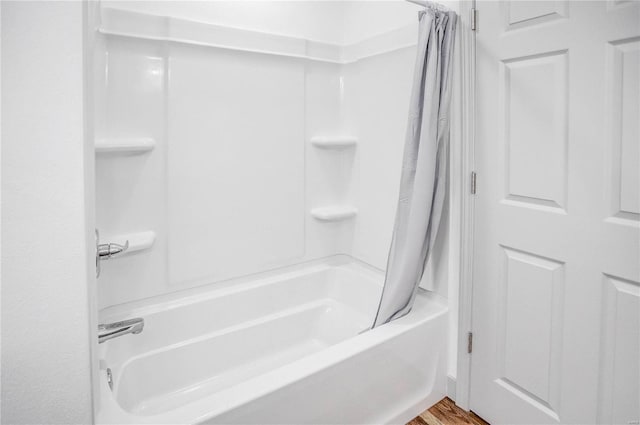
106 251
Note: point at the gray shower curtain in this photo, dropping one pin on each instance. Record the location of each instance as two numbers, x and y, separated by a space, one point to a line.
424 165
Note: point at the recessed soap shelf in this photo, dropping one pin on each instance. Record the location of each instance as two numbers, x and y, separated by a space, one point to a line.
334 142
334 213
125 145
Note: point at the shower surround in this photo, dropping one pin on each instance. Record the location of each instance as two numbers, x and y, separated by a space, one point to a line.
255 176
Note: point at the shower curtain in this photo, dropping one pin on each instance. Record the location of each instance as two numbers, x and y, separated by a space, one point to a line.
424 165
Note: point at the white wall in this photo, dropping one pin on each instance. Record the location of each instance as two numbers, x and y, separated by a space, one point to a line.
365 19
46 318
239 132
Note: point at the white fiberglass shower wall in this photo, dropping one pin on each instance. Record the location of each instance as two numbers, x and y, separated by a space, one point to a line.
235 139
231 169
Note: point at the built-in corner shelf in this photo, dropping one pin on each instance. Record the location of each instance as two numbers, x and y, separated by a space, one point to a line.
137 241
125 145
334 213
334 142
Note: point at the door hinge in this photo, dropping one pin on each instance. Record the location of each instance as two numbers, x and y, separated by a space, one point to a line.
470 343
474 19
473 182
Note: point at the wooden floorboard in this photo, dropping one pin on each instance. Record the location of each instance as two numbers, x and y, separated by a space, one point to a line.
447 413
418 421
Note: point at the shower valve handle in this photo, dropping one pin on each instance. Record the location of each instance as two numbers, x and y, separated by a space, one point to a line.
105 251
108 250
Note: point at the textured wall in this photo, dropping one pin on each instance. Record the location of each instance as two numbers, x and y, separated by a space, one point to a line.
45 311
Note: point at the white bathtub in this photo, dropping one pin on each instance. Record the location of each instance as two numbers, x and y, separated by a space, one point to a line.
283 347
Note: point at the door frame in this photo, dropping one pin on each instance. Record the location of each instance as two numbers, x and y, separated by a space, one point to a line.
466 164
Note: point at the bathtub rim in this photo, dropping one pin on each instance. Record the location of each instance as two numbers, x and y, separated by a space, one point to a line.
187 296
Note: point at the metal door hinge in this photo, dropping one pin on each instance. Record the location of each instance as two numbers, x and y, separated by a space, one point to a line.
473 182
474 19
470 343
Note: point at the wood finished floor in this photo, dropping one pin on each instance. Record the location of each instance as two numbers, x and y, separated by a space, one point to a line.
447 413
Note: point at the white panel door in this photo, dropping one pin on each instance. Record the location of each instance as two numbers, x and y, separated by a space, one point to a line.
556 303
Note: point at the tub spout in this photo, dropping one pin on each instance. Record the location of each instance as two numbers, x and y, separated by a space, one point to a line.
109 331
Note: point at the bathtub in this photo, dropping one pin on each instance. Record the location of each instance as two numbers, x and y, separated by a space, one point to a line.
290 346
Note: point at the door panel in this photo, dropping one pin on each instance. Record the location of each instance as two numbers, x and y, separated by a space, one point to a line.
623 116
556 310
534 105
532 288
522 14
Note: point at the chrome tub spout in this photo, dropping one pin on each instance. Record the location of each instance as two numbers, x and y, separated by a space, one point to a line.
109 331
